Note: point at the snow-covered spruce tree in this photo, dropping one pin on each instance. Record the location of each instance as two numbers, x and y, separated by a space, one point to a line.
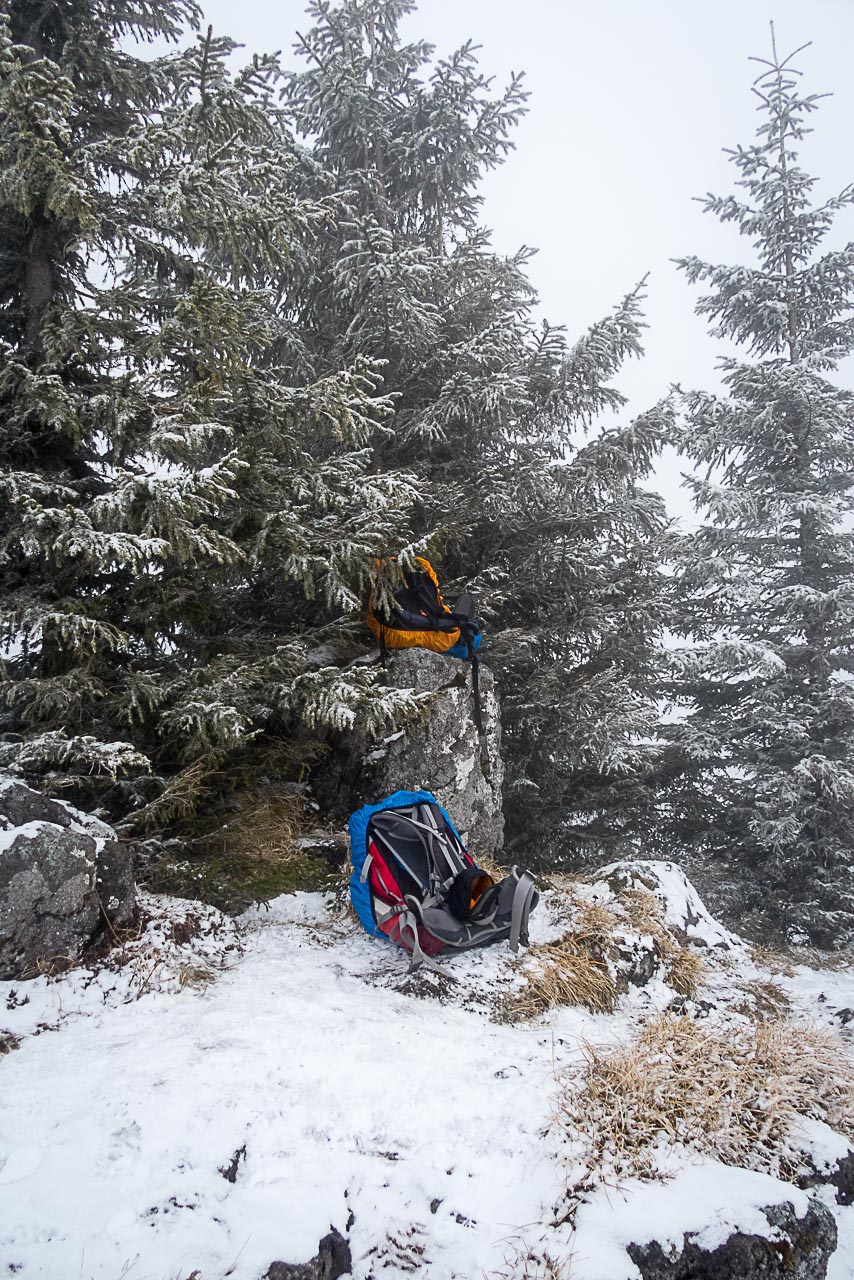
189 515
767 788
490 410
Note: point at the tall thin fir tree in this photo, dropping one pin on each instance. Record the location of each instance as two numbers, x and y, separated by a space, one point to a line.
764 784
188 514
552 528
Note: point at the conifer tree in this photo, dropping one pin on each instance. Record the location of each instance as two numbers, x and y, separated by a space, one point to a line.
187 510
491 411
767 787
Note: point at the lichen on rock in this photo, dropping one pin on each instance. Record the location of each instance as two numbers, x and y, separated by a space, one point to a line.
63 877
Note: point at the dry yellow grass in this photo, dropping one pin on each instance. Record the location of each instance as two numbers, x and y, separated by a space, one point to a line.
575 969
684 968
562 973
784 961
765 1000
734 1092
685 971
593 922
195 976
643 911
267 823
527 1262
244 848
570 971
775 961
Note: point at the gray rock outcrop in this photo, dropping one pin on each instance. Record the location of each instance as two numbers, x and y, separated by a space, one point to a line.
63 876
839 1175
444 755
842 1179
794 1249
331 1261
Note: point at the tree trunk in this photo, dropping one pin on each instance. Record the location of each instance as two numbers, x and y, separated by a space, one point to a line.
38 286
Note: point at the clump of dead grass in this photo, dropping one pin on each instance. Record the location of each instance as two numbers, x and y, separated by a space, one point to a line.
684 969
571 971
765 1000
767 958
267 822
247 849
737 1093
8 1043
563 974
784 960
586 966
195 976
532 1262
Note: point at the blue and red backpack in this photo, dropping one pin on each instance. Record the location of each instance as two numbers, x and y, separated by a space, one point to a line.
414 883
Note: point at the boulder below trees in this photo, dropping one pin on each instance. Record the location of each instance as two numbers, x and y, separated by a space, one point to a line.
443 755
63 875
796 1248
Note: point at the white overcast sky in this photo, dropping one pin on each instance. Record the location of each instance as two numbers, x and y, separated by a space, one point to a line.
632 103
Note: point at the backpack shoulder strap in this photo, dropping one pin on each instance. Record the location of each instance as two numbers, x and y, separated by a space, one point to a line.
398 857
467 635
441 841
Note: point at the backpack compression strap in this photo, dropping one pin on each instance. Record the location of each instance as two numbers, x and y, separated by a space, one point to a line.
468 637
463 614
407 934
523 896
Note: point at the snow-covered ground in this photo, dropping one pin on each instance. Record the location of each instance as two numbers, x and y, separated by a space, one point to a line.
296 1055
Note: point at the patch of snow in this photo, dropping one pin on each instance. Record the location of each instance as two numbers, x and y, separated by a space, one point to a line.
28 830
841 1265
347 1096
683 907
819 1141
381 750
354 1087
91 826
823 994
289 908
